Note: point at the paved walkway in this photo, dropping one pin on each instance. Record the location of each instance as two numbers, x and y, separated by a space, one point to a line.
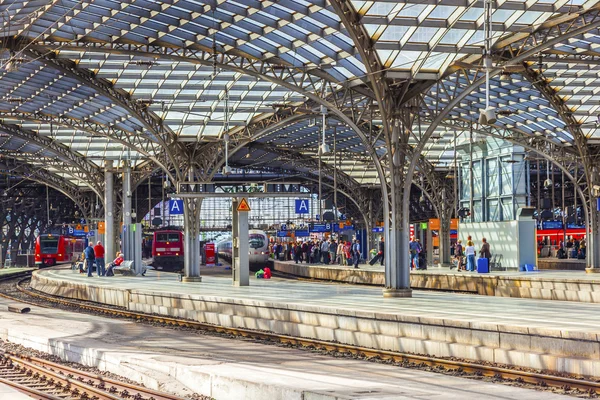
529 313
184 362
552 274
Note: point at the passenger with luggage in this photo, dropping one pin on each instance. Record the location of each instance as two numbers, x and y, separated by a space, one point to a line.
484 252
380 254
470 253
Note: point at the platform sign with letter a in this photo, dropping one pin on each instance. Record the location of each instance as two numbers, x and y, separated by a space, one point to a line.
176 207
302 206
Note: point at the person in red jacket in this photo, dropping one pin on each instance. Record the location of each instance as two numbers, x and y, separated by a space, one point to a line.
117 261
99 253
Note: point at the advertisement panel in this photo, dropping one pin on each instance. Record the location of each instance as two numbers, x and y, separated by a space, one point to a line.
209 250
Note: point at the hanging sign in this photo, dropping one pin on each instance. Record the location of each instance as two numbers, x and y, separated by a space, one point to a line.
101 228
302 206
176 207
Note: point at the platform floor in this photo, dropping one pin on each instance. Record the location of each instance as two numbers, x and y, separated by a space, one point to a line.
228 369
552 274
526 313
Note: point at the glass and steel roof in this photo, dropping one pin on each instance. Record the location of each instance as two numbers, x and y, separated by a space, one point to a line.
174 61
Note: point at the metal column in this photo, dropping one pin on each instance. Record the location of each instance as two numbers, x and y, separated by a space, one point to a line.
234 240
127 194
242 275
191 252
109 207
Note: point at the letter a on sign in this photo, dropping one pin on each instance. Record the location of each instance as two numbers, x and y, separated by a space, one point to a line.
302 206
243 206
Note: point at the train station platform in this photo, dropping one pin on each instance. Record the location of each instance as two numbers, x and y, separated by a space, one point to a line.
558 336
543 284
183 362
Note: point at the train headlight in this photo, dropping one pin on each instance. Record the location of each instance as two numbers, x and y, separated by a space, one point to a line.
60 255
176 254
158 254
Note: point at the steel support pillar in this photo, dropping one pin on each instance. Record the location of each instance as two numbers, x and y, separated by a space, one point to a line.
191 258
593 242
127 194
397 262
242 270
110 237
234 239
445 222
445 243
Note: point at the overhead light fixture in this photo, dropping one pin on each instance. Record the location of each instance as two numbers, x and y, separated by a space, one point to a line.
487 116
226 170
505 76
548 183
324 147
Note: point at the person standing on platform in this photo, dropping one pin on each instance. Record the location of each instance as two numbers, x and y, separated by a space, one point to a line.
305 251
341 257
99 253
90 256
298 253
484 252
356 253
470 253
415 250
325 252
332 251
458 254
381 251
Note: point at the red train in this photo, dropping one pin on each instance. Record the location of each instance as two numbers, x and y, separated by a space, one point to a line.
557 235
55 249
167 250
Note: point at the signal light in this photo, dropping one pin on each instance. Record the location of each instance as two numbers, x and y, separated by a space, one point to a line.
464 212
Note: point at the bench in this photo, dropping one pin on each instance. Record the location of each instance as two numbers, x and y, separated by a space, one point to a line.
127 269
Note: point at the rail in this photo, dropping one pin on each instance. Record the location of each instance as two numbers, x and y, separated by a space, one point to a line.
516 375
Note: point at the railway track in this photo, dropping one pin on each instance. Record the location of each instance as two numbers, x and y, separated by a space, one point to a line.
43 379
468 368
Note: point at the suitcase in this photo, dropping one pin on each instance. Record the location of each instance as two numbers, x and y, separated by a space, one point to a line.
483 266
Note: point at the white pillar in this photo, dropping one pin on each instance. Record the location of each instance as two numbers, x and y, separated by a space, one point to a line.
191 251
109 207
127 194
242 276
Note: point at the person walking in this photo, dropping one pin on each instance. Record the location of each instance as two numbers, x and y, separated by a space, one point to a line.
381 251
458 254
484 252
99 253
415 250
356 252
90 256
305 251
470 253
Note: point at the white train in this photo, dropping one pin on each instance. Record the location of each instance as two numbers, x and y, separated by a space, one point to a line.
259 248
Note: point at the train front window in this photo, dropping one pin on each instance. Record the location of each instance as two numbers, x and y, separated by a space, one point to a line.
256 241
48 245
167 237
